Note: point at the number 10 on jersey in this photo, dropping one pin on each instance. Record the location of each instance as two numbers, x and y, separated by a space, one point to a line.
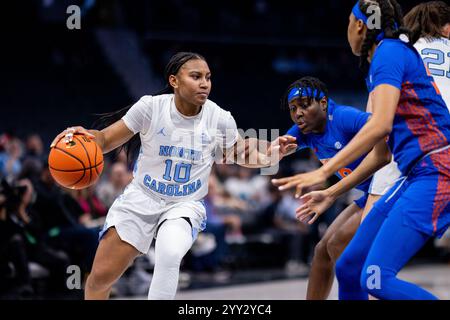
182 172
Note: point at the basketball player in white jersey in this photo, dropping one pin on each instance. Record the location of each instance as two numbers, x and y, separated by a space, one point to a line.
181 133
430 26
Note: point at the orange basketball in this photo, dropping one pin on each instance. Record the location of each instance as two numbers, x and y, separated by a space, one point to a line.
76 164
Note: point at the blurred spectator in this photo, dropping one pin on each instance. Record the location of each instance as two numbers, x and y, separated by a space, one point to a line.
10 164
34 158
60 214
119 178
37 248
249 187
240 185
94 211
225 209
222 228
295 232
34 149
14 272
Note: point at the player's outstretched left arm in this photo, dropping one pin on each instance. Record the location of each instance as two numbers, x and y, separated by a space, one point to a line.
254 153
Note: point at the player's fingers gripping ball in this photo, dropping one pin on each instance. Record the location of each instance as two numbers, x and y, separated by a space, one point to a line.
76 164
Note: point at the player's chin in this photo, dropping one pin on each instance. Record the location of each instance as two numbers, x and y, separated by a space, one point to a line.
356 53
304 128
356 50
305 131
201 99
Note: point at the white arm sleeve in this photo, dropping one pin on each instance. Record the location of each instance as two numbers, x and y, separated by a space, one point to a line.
138 118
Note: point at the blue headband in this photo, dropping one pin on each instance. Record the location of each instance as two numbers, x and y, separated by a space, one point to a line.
305 92
359 15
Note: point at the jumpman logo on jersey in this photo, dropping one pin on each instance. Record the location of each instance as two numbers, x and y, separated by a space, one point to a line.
161 131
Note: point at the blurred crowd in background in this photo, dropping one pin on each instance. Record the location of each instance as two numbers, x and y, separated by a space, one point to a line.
44 228
54 78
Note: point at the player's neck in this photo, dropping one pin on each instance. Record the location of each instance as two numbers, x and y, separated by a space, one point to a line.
320 129
372 52
185 108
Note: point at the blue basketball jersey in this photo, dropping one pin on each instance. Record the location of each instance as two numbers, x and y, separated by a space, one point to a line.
422 120
421 125
343 123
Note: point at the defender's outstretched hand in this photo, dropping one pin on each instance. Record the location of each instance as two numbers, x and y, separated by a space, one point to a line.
68 135
284 145
315 203
300 181
254 153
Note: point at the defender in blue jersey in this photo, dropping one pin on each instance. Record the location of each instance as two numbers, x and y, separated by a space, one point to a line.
408 107
341 125
326 127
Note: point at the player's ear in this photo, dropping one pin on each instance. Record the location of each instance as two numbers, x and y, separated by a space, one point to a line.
361 27
324 103
446 31
173 81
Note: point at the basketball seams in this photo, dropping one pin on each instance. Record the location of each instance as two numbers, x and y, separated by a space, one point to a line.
70 173
69 154
74 184
75 170
89 158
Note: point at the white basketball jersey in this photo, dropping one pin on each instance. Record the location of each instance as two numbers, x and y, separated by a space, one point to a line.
177 152
435 53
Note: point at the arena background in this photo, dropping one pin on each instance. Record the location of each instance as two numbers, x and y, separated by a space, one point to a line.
53 77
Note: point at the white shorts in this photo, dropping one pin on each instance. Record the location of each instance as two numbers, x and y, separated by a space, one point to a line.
136 215
384 178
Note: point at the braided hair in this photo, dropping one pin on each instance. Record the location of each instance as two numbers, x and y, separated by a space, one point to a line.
315 86
391 25
106 119
427 20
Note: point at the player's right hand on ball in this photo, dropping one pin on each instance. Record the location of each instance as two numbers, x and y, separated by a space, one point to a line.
68 135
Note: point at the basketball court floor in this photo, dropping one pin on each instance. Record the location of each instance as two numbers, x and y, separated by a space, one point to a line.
434 277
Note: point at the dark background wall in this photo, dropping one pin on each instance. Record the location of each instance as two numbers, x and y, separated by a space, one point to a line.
52 77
